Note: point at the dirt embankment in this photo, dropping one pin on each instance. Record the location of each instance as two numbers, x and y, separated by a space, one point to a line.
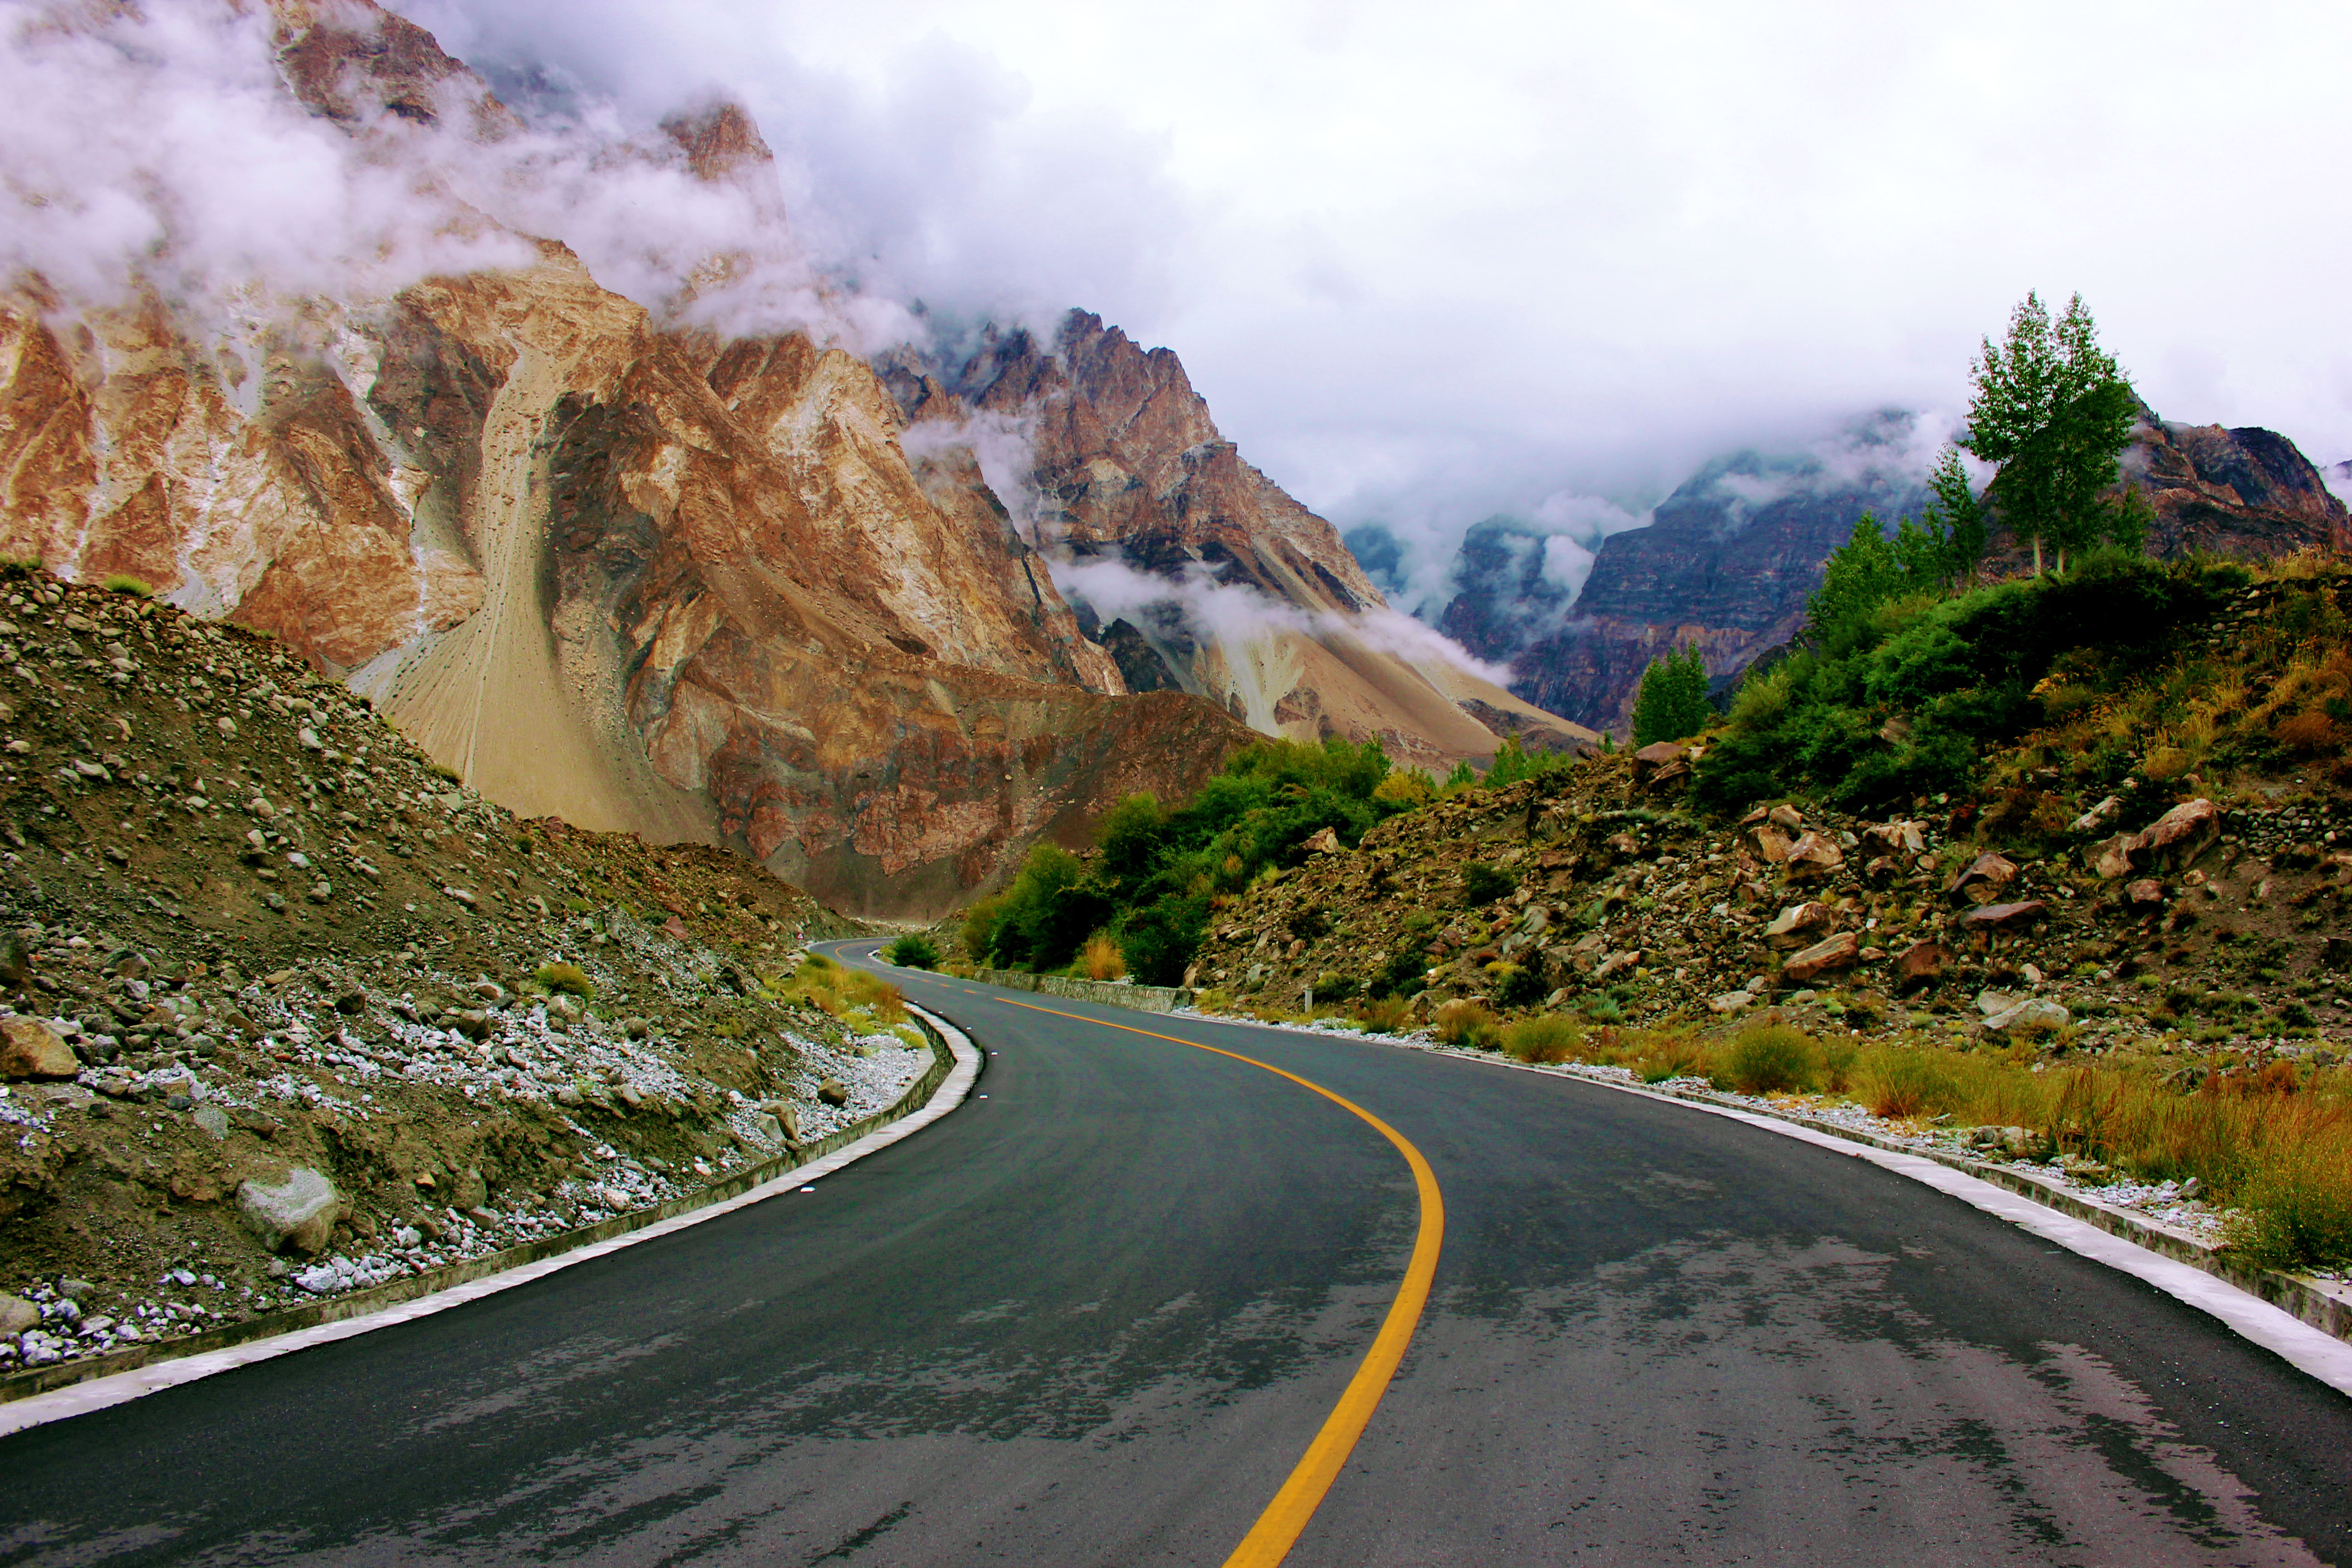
288 1012
2161 923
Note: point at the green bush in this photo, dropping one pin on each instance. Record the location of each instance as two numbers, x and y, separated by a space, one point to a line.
1466 1022
1483 884
1520 985
1336 988
1772 1059
123 583
1403 973
566 977
1963 674
913 951
1159 941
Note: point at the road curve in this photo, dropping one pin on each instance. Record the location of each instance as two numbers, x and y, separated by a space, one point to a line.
1099 1315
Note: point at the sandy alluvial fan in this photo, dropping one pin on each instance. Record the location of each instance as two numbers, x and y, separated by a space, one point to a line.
675 560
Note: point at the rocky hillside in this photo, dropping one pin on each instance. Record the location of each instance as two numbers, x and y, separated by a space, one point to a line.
1193 568
2176 913
257 943
1732 553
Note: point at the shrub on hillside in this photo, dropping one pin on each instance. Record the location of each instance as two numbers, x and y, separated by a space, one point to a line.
1547 1039
1520 985
1483 884
1100 959
1962 674
2295 1214
568 978
1404 972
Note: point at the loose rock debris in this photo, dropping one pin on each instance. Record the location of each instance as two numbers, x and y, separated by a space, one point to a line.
291 1012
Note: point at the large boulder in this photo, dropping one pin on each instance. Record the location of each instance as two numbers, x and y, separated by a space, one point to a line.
2111 857
1921 964
1894 838
2174 840
1983 879
1839 951
1800 924
2030 1015
1661 765
298 1213
2006 917
1814 857
31 1050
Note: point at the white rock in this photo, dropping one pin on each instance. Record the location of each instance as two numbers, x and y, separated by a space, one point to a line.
299 1211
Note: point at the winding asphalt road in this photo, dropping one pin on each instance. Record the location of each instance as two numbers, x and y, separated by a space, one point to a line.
1098 1316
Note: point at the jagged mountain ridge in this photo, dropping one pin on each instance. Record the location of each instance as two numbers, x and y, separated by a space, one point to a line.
1733 552
1141 501
610 569
633 567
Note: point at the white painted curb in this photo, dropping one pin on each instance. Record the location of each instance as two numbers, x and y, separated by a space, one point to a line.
124 1386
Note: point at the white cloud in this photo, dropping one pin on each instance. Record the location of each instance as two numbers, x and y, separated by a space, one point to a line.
1424 271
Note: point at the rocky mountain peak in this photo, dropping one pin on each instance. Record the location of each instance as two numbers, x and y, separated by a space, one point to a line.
356 63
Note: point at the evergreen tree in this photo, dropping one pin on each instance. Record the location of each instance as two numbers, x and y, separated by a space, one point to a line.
2053 413
1956 518
1673 701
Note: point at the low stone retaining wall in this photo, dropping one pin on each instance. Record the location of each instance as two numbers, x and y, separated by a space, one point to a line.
1145 998
359 1304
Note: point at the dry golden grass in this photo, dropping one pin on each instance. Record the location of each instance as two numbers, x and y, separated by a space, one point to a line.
1100 959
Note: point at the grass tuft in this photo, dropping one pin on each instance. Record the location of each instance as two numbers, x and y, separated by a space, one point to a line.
568 978
1467 1023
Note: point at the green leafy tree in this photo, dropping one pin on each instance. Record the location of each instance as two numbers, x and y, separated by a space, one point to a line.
2053 413
1513 762
1673 701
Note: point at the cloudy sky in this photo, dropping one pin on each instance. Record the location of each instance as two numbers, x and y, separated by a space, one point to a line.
1432 262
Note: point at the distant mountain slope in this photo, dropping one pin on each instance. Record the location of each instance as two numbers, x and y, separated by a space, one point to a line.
1198 572
1734 551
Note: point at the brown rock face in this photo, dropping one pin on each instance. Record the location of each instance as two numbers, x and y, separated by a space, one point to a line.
2175 839
1921 964
1984 878
1840 951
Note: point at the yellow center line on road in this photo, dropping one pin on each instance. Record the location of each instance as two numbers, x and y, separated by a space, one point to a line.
1278 1528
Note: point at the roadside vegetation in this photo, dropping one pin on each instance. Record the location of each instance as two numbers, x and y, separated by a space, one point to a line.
913 951
864 1003
2269 1138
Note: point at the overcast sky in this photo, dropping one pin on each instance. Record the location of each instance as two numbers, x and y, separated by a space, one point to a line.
1430 262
